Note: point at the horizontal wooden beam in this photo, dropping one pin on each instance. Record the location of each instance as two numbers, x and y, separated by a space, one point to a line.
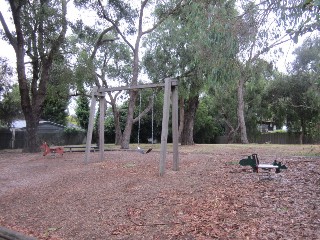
8 234
137 87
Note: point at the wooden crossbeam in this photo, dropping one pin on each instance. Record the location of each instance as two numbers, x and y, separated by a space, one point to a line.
170 93
137 87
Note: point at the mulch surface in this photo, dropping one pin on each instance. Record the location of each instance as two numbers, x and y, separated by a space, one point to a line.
123 197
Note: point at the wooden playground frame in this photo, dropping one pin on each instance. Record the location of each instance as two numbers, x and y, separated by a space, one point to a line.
170 90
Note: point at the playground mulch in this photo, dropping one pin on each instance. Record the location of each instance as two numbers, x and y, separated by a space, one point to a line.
123 197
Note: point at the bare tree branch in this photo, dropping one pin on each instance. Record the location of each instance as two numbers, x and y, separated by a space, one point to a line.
12 40
115 25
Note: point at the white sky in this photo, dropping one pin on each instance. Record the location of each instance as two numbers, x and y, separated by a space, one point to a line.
8 52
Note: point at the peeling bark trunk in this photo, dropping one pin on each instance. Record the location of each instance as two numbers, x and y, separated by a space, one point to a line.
303 132
128 129
134 81
181 113
187 132
116 118
240 112
118 132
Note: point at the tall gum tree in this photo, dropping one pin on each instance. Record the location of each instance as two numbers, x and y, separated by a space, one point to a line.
140 31
263 26
108 60
131 22
39 32
196 46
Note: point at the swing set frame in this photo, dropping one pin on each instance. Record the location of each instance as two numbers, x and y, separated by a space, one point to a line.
152 117
170 91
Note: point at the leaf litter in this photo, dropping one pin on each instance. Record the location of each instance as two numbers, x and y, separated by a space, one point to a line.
123 197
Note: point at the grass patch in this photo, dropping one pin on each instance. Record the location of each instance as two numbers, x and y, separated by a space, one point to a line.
232 163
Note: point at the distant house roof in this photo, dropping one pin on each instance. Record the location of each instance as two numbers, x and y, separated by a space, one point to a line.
19 124
72 125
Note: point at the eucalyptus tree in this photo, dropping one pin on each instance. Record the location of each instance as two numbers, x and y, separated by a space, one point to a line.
5 75
58 94
222 105
296 98
131 23
263 26
39 29
207 126
102 60
10 106
83 111
196 46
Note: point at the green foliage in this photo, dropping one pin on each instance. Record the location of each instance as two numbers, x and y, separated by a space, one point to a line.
109 122
57 98
73 136
221 102
295 97
114 9
5 75
55 109
83 111
38 18
118 66
198 42
307 57
146 120
71 130
10 106
257 111
84 69
206 127
198 46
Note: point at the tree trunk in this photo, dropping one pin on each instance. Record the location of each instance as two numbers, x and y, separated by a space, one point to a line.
127 131
231 135
181 113
187 132
33 95
134 81
303 132
117 127
241 119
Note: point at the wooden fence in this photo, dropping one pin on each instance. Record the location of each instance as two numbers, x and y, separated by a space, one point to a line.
16 141
273 138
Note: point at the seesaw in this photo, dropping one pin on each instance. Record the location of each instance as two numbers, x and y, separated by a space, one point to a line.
253 161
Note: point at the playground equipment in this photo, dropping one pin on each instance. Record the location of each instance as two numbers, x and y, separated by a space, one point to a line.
170 91
140 150
8 234
151 139
55 150
253 161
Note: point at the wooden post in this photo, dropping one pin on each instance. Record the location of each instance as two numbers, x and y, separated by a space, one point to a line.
90 125
8 234
169 85
175 131
101 125
165 123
